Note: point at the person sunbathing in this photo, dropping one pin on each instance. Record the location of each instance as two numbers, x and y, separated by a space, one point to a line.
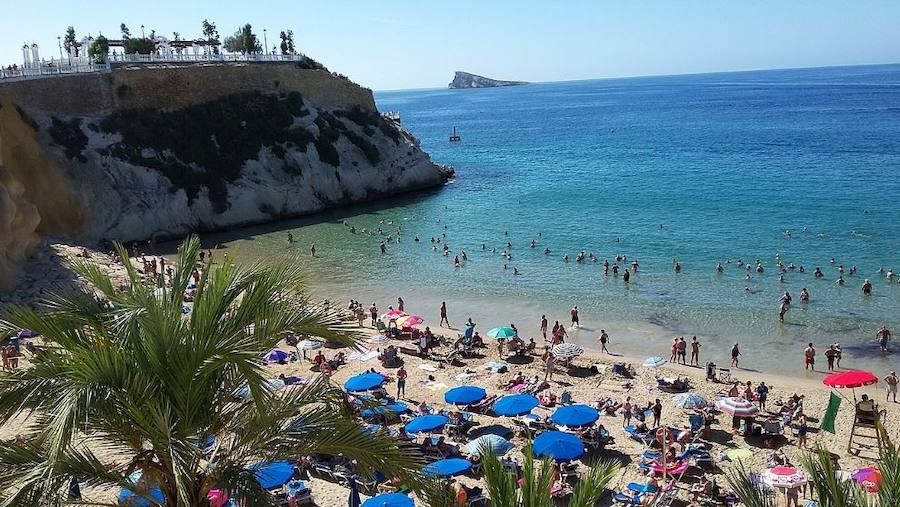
735 391
423 408
547 399
519 379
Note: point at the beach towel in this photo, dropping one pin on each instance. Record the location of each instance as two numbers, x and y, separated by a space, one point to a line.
362 354
465 378
427 367
834 403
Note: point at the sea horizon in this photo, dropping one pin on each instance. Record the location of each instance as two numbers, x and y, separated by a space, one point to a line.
639 76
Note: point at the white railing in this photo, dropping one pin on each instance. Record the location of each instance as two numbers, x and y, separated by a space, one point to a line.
222 57
79 66
51 69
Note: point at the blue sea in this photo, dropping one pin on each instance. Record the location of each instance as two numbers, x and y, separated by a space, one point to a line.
800 165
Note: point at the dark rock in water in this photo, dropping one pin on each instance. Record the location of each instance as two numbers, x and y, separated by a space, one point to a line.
466 80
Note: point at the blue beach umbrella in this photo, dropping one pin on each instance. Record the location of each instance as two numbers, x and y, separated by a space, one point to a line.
129 498
515 404
276 356
558 445
575 416
495 443
391 408
272 474
426 423
654 362
502 332
447 468
364 382
273 384
465 395
389 500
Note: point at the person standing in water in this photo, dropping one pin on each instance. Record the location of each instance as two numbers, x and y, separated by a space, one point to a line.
312 250
884 336
735 353
810 357
444 314
604 339
544 327
574 312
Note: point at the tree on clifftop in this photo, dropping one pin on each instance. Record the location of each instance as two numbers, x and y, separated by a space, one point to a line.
287 43
99 50
211 34
243 41
69 41
126 33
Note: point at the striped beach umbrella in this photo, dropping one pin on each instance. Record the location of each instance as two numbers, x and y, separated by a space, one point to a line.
392 315
654 362
784 477
737 407
567 350
407 321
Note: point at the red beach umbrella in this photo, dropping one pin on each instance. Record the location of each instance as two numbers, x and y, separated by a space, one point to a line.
850 379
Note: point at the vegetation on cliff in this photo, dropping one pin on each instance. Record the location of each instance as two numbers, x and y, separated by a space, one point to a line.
206 145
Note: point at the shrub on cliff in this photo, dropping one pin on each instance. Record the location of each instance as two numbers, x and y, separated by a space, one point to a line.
68 135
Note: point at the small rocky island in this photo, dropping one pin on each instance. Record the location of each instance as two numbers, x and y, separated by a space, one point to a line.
466 80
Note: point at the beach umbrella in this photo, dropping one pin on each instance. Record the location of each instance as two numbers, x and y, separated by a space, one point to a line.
447 467
274 384
364 382
408 321
309 345
515 404
128 497
850 379
427 423
654 362
495 443
502 332
276 356
784 477
558 446
736 407
392 315
575 416
26 333
389 500
353 501
869 478
567 350
465 395
272 474
378 339
689 401
391 408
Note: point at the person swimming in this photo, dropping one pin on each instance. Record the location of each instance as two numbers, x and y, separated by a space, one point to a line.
719 268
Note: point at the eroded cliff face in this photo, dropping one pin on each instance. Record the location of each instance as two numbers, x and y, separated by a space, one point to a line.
132 166
35 196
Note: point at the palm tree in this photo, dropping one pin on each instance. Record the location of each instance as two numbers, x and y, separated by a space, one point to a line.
130 384
503 489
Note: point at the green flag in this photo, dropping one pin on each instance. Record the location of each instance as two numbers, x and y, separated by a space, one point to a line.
830 413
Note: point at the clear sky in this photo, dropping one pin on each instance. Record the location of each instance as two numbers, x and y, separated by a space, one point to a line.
391 44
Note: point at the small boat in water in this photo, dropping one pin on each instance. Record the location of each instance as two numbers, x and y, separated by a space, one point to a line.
454 136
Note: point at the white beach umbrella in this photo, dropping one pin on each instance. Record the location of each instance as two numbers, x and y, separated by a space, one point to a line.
784 477
378 339
654 362
309 345
689 401
567 350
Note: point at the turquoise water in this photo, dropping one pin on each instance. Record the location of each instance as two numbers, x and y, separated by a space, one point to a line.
703 169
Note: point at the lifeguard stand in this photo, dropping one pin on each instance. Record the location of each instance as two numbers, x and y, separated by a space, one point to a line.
867 426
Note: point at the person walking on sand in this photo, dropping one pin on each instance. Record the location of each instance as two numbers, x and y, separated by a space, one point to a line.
401 383
574 312
695 352
884 336
810 357
735 353
891 381
682 350
657 413
673 352
604 339
444 314
548 365
626 412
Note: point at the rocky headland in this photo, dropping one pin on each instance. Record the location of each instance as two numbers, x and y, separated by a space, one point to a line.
160 151
466 80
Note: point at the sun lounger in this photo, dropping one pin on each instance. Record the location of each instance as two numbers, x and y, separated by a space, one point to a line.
641 436
447 359
483 406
